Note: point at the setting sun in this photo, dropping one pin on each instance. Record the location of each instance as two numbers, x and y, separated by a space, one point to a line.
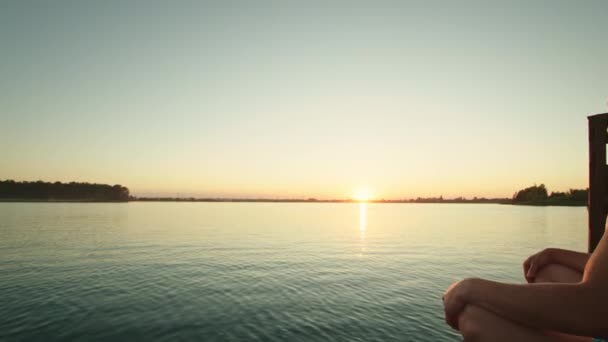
362 194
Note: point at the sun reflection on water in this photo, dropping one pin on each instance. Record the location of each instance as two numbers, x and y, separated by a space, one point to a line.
362 228
362 216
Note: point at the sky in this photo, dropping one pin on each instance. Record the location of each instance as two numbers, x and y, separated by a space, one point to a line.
282 99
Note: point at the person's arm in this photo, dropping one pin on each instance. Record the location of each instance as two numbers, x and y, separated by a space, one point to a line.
572 259
580 309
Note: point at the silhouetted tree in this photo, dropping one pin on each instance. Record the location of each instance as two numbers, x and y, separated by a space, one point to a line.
538 195
531 194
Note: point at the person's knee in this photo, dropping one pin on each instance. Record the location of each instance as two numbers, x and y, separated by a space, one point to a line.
547 274
469 323
554 273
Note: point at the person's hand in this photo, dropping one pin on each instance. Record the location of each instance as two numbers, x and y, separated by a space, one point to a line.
455 299
535 262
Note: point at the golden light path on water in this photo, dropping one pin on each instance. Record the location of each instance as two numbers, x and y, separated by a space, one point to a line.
362 228
362 216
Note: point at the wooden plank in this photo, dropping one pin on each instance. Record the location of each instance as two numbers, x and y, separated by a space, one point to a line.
598 171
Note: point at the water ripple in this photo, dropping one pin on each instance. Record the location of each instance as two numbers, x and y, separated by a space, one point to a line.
215 272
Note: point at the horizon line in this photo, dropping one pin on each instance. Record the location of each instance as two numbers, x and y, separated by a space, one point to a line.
313 199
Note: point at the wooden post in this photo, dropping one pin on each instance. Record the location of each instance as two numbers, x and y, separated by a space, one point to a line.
598 186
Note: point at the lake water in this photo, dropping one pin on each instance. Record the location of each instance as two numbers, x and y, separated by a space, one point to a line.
257 271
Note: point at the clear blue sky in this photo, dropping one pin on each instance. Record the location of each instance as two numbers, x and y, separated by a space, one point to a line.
286 99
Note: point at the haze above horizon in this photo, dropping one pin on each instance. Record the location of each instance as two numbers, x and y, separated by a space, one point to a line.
316 99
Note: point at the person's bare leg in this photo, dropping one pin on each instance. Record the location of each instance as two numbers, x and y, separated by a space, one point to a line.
479 325
555 273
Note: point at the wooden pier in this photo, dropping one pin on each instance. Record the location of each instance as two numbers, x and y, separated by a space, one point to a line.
598 178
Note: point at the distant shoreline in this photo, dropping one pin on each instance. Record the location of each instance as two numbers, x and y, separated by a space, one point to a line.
445 201
242 200
74 192
296 200
552 204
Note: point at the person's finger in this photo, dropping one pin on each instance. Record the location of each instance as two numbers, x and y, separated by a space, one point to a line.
526 268
448 319
453 308
453 322
527 263
532 271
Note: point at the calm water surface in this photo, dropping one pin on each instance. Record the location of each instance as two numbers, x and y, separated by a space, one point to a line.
256 271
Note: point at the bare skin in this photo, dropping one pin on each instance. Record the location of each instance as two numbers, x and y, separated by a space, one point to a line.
478 324
564 300
574 261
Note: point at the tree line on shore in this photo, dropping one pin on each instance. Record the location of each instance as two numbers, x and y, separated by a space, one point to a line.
57 191
538 195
